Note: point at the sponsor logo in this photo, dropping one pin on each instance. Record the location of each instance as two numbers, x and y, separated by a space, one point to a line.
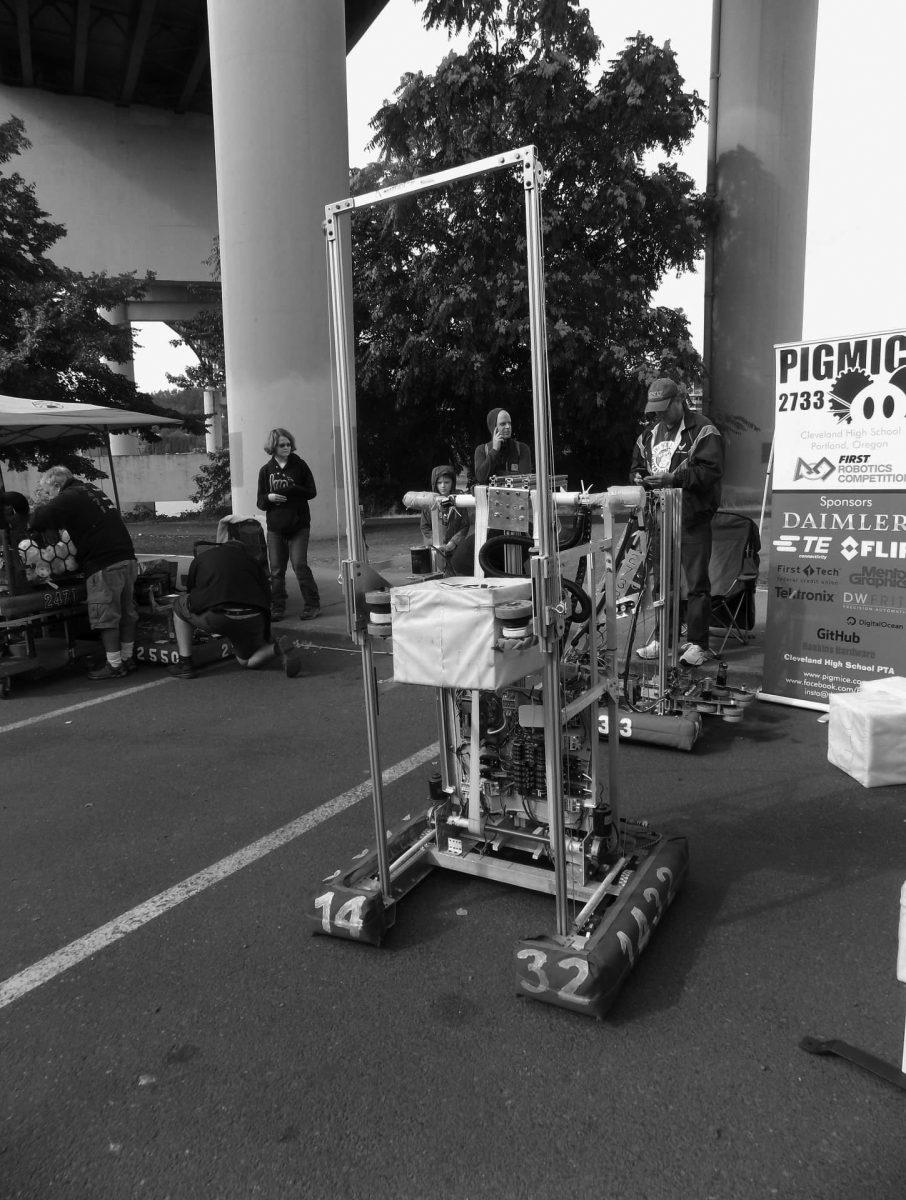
819 597
807 546
818 471
871 548
879 577
838 635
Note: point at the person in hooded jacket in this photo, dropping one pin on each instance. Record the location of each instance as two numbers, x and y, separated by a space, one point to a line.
285 486
682 449
453 523
502 455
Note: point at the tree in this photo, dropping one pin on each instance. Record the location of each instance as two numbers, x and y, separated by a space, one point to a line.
53 340
203 333
439 280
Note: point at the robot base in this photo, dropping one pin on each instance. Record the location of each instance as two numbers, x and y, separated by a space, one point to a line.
584 971
350 904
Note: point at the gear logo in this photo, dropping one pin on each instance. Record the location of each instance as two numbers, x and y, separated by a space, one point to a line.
818 471
849 548
847 386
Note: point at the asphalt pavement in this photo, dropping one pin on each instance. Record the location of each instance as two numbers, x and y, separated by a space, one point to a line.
170 1028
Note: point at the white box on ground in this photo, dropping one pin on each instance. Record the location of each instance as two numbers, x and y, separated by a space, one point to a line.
865 732
445 634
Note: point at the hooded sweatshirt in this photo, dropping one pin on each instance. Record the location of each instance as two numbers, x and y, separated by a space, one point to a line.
454 524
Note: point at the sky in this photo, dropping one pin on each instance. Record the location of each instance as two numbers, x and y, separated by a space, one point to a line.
397 42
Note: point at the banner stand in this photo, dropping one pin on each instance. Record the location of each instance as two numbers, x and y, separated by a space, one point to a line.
836 579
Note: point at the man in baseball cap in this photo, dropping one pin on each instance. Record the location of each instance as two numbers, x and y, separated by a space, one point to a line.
682 449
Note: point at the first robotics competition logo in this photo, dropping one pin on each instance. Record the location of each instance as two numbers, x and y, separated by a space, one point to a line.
841 414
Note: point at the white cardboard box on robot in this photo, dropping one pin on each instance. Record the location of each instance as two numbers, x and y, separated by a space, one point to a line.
445 633
865 732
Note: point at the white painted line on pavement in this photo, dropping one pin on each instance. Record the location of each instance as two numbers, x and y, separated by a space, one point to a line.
61 712
84 947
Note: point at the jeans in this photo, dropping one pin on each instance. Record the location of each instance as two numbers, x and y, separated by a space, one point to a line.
696 559
294 549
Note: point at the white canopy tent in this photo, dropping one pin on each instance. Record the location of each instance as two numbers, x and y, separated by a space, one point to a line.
23 422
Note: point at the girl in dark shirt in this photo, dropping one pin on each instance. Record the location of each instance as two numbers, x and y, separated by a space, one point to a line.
285 486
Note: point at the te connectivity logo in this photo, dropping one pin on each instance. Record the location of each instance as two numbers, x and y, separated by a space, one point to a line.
806 546
816 472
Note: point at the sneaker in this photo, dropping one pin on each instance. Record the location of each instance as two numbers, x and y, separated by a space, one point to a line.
106 671
309 612
130 664
277 614
652 650
696 656
181 670
290 656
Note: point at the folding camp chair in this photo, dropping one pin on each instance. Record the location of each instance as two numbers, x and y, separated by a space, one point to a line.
734 573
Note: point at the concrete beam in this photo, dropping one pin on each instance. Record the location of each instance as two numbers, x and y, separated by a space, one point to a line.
202 57
137 50
24 27
80 47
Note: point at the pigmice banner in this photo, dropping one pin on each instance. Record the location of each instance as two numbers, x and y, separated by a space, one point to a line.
837 579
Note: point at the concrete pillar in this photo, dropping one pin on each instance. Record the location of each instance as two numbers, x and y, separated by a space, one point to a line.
278 72
122 443
213 438
767 60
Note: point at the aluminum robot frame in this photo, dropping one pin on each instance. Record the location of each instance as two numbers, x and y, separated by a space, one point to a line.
540 818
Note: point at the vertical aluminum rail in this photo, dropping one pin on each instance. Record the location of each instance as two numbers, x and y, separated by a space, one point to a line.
546 569
341 328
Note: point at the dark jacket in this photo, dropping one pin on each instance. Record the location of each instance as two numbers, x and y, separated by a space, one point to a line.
697 465
513 458
296 482
90 518
227 574
454 524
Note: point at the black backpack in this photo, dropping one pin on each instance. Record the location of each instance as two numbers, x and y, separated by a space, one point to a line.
248 531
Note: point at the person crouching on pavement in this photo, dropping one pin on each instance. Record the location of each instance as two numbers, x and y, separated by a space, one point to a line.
105 553
683 449
453 525
228 595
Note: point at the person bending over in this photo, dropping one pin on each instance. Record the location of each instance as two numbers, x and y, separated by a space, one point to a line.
105 553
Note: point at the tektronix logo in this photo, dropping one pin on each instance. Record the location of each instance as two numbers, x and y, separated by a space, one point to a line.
818 471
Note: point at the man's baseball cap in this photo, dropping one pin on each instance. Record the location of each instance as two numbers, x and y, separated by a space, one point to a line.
660 393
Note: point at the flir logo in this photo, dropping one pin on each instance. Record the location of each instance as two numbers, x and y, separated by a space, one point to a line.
872 548
818 471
